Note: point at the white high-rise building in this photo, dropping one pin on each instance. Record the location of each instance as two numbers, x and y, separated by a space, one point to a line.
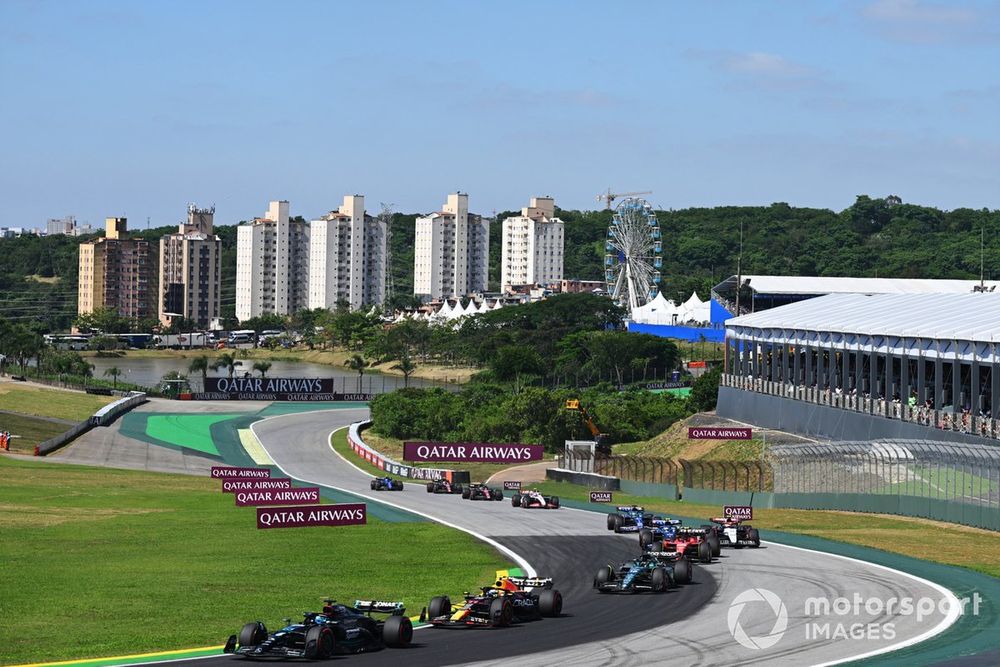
190 273
347 252
532 246
272 264
451 251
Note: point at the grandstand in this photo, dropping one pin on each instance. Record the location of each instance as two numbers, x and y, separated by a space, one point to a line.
858 366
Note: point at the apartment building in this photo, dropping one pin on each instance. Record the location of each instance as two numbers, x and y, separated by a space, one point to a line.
531 251
451 251
272 264
190 270
115 272
347 257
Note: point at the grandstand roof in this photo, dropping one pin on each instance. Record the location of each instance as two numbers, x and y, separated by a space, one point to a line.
965 317
835 285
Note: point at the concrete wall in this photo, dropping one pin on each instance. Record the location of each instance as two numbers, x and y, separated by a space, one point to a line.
824 421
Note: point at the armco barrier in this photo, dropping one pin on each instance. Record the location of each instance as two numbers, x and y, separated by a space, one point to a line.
390 466
589 479
102 417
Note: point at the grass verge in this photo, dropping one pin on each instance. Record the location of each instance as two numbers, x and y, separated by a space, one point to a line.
27 432
919 538
117 550
72 405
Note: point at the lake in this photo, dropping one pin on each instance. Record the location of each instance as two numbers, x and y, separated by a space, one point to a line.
148 372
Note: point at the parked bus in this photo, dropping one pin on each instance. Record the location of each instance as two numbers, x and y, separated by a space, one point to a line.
67 342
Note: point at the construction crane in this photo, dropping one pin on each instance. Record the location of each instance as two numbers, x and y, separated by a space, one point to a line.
602 440
610 196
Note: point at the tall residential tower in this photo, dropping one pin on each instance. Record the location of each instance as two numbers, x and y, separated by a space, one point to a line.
532 246
451 251
272 264
347 253
190 270
116 273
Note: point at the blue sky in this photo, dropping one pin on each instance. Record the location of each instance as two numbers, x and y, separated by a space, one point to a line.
137 108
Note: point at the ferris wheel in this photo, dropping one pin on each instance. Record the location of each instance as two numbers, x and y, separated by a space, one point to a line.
634 254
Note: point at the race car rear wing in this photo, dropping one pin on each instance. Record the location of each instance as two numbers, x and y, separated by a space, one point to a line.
664 555
380 607
527 583
630 508
724 520
691 531
665 522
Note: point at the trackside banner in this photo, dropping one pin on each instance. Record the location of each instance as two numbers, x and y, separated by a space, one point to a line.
471 452
741 512
274 389
300 496
312 515
234 485
226 472
719 433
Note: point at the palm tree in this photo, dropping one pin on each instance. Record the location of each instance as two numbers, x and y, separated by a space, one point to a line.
226 361
407 366
262 366
357 363
200 364
113 373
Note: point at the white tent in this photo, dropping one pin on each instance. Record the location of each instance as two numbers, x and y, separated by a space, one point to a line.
444 311
657 311
694 310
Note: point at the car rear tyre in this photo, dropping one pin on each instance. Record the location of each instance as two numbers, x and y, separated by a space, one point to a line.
430 487
555 502
253 634
439 606
550 602
501 612
611 521
397 632
515 500
755 536
457 488
400 487
714 544
619 521
645 538
497 494
319 642
704 552
466 493
374 485
683 572
659 579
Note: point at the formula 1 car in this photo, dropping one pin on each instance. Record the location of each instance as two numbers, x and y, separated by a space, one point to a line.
693 543
533 499
386 484
336 629
653 571
443 486
629 519
481 492
658 527
510 600
734 533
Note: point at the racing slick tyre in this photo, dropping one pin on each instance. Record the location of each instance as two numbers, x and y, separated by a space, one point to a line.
374 485
615 522
645 538
430 487
603 576
457 488
515 500
253 634
397 632
397 488
439 606
683 572
555 502
714 544
496 494
466 493
704 552
755 536
659 579
501 612
550 602
319 642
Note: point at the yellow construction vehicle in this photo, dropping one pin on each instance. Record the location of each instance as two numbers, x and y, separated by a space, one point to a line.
603 440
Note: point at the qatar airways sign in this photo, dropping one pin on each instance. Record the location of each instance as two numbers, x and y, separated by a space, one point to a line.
227 472
719 433
300 496
234 485
471 452
274 389
350 514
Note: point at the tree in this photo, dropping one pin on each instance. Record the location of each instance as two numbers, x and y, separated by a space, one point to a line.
262 366
406 366
113 373
105 320
227 361
357 363
200 365
513 362
705 392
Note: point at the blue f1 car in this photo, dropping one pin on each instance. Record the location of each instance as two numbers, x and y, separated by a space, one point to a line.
386 484
633 519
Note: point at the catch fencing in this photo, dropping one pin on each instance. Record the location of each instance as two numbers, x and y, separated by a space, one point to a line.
954 482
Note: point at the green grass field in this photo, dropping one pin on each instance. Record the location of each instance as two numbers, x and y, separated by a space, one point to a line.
130 562
73 405
920 538
29 431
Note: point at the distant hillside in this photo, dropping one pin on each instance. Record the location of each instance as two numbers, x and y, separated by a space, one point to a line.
882 237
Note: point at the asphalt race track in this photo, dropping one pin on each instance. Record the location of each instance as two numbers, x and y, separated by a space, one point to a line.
683 627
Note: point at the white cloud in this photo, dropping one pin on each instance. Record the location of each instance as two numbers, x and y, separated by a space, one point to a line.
766 65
